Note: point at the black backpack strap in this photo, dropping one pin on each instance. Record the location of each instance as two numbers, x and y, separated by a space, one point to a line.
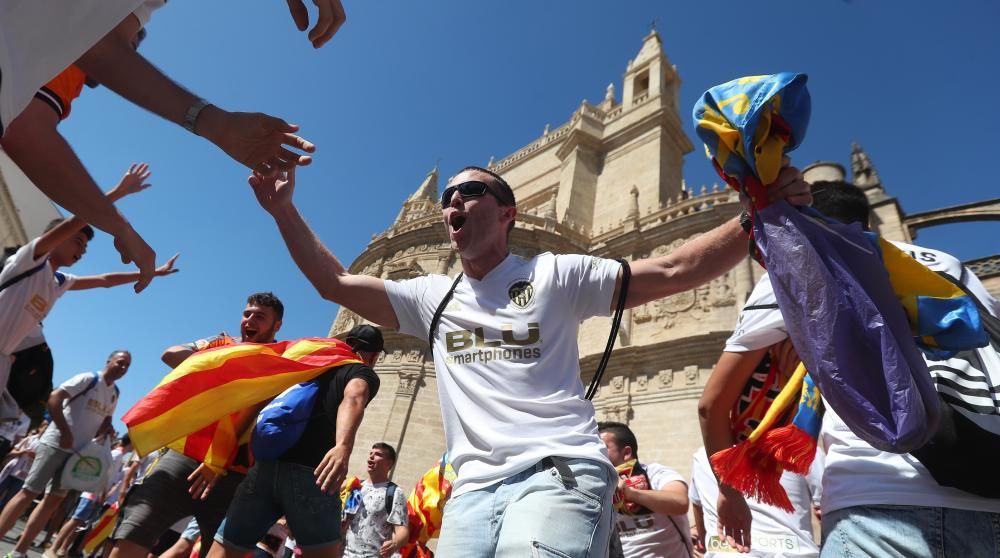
24 274
761 307
440 310
616 322
390 493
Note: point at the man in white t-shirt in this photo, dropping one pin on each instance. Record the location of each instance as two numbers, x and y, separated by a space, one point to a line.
81 409
519 432
378 526
43 37
877 503
30 282
652 520
776 533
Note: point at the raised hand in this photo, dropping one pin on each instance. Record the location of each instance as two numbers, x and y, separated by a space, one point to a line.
133 249
133 182
331 18
259 141
168 268
273 192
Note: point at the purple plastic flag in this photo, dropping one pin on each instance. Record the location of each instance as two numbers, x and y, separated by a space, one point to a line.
848 326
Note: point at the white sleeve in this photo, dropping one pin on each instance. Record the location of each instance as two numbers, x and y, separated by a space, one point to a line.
693 495
660 476
20 261
398 515
145 10
590 282
66 281
77 384
760 323
415 300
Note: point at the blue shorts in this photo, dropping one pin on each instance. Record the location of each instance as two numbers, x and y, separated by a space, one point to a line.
273 489
85 510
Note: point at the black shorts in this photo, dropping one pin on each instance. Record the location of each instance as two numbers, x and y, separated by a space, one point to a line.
162 499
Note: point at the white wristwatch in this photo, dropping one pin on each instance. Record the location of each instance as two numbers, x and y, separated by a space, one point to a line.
192 114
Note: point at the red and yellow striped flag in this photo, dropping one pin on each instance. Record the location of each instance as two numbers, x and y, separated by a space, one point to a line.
102 529
195 408
425 506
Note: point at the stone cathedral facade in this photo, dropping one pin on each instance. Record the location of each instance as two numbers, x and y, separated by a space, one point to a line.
607 182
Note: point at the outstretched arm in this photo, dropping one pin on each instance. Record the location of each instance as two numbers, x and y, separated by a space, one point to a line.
256 140
114 279
707 256
361 294
33 142
134 181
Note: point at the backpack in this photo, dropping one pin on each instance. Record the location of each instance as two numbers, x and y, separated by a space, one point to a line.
390 493
281 423
963 449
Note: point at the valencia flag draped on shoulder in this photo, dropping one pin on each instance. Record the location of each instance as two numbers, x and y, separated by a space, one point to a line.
201 395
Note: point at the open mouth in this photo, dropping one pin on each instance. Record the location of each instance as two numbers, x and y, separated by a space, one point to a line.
249 333
457 222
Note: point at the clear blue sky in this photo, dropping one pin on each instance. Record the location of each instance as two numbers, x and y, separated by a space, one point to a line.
407 83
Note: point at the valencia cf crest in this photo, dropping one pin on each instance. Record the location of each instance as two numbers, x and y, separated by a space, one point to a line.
521 293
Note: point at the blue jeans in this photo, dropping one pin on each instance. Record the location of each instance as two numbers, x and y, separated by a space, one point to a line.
557 508
273 489
910 532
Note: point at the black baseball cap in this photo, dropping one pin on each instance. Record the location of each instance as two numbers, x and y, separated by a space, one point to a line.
365 338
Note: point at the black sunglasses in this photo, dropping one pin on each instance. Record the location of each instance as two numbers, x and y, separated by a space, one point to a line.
471 189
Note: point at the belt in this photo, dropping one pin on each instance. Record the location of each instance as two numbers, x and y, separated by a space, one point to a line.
559 465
